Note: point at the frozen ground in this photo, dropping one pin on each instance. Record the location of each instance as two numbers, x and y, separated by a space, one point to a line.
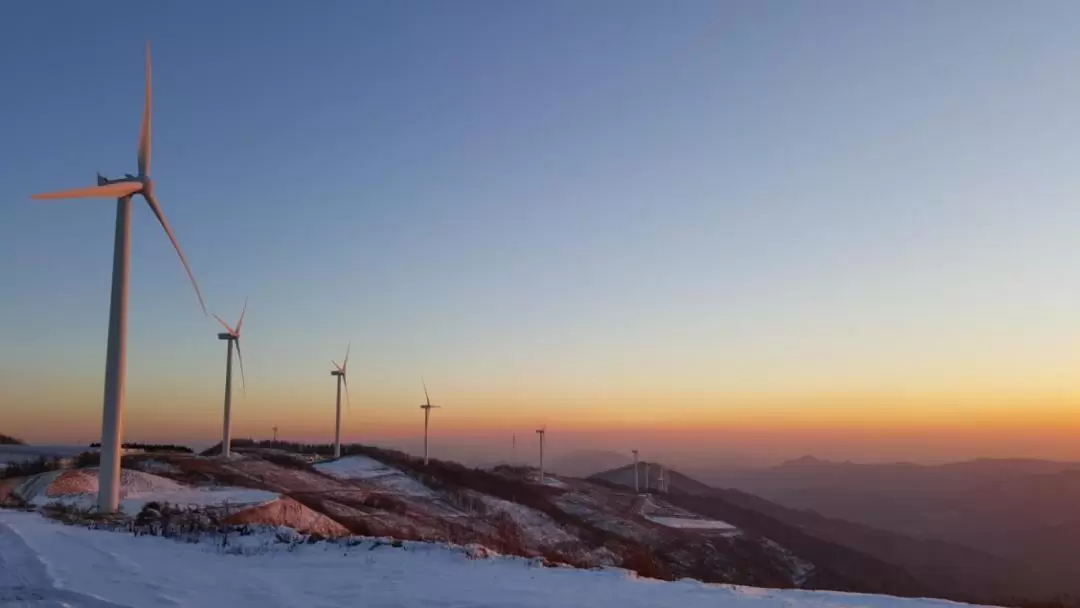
374 472
43 564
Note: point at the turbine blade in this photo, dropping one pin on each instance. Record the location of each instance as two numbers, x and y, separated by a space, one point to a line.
150 200
348 402
117 190
224 324
336 366
144 131
240 357
240 324
345 363
426 398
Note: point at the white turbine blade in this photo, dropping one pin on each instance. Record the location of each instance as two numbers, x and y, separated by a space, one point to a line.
426 398
165 224
224 324
336 366
118 190
348 402
240 323
144 131
240 358
345 363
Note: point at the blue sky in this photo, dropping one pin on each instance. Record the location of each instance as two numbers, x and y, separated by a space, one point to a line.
556 203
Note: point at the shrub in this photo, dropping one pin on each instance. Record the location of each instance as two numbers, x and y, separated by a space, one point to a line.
26 468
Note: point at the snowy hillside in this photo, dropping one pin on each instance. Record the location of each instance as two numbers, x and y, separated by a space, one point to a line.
378 493
48 564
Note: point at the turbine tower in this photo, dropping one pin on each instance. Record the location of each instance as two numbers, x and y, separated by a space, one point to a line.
635 471
122 190
541 432
646 477
427 407
340 372
231 336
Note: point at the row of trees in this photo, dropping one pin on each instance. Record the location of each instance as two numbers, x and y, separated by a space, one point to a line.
153 447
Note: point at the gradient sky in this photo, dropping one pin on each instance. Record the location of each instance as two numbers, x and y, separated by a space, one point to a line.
700 228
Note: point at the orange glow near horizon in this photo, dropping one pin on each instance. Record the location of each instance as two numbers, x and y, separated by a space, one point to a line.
763 427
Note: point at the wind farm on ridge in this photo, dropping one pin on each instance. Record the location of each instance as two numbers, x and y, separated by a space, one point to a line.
123 189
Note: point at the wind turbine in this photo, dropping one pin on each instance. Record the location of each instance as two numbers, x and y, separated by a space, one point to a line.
541 432
636 491
231 336
427 407
339 371
122 190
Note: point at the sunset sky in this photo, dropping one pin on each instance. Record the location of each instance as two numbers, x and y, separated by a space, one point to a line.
712 230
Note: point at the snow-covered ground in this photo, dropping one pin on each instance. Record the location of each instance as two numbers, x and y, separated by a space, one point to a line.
687 523
158 467
374 472
79 487
47 564
552 482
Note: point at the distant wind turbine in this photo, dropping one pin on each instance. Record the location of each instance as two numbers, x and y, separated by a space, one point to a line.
636 490
231 336
122 190
340 372
541 432
427 407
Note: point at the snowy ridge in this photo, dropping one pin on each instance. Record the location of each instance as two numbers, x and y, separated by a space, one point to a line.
150 571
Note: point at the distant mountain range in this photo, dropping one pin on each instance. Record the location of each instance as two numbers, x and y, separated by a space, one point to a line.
9 440
983 531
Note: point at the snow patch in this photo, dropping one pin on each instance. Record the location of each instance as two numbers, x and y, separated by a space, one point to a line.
552 482
159 467
376 473
687 523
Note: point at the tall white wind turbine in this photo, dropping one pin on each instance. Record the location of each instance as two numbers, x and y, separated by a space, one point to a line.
231 336
427 407
340 371
122 190
636 490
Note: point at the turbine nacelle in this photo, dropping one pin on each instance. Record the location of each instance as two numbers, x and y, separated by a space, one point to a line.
232 334
341 371
130 185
